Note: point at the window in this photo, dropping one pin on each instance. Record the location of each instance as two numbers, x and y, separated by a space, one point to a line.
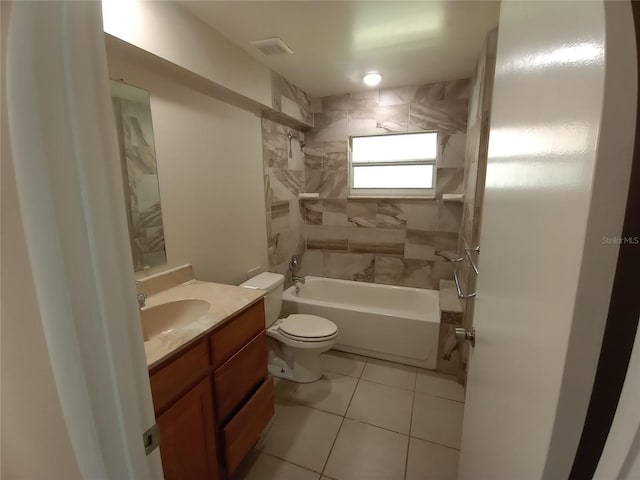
394 164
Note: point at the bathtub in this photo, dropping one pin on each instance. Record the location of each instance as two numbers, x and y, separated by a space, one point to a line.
399 324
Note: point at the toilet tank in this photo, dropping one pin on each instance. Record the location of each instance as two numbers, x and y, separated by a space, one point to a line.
273 283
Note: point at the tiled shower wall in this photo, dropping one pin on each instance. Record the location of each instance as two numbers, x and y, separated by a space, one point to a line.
284 180
390 241
476 170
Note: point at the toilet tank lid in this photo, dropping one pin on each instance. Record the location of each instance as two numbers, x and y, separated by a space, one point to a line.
264 281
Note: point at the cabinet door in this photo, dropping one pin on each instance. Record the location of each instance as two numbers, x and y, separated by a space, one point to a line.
187 436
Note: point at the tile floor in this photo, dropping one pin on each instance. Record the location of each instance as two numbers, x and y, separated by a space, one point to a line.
366 419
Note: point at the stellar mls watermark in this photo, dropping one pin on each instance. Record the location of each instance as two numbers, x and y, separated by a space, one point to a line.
621 240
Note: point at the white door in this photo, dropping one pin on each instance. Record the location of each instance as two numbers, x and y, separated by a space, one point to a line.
560 147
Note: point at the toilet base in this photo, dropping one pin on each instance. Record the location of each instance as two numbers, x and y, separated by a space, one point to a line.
296 365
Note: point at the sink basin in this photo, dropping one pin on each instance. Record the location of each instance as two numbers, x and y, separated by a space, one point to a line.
170 316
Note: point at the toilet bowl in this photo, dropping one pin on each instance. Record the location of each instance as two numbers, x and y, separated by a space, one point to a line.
297 341
296 344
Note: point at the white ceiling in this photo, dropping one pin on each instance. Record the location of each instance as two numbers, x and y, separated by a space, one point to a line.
335 43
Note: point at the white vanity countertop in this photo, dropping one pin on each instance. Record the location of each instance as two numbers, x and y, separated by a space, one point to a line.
225 300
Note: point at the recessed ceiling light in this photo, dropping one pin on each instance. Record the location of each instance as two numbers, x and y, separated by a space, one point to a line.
372 79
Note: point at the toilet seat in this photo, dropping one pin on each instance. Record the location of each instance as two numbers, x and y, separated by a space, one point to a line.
307 328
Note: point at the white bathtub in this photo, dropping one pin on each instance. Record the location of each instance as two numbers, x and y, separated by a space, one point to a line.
399 324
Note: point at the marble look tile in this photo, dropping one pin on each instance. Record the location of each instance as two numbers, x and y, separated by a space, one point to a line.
331 393
343 363
279 210
414 251
363 452
451 150
437 420
295 159
281 87
403 271
447 116
336 103
449 216
379 120
334 213
428 460
391 214
457 89
312 212
449 180
330 126
311 263
328 183
449 301
367 100
335 161
429 93
303 436
313 159
442 270
285 184
274 157
327 238
397 96
362 213
382 406
321 148
349 266
444 241
268 192
376 240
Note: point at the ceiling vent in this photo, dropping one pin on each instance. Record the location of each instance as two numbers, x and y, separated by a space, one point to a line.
272 46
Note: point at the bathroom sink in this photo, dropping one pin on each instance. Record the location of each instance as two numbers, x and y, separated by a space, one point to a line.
170 316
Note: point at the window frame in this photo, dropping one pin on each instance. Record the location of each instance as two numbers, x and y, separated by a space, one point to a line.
428 193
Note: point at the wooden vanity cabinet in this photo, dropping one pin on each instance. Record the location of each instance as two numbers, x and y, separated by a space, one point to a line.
214 399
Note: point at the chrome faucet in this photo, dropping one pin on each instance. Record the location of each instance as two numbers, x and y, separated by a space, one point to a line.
142 297
295 279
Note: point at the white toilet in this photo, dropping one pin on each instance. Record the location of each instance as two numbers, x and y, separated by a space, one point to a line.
295 342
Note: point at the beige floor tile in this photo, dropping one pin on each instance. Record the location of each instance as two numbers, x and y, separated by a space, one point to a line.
382 405
428 461
364 452
266 467
302 435
332 393
437 419
284 389
343 363
440 385
389 373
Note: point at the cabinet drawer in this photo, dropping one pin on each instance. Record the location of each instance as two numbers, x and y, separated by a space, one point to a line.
173 379
235 380
244 429
236 333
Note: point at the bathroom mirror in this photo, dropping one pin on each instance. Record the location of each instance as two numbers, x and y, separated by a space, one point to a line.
132 113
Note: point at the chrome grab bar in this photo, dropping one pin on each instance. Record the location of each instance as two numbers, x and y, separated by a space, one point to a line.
455 261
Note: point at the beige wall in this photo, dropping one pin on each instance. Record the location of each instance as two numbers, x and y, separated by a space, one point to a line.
172 33
210 172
